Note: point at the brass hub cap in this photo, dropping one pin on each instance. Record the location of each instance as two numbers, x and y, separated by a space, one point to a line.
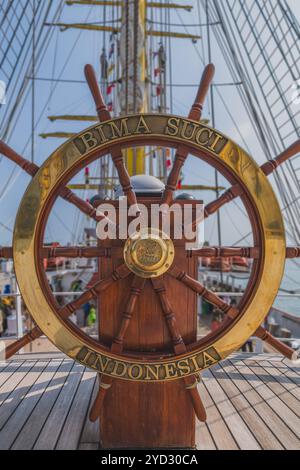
149 253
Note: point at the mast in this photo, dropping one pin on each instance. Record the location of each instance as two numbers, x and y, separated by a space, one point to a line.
133 92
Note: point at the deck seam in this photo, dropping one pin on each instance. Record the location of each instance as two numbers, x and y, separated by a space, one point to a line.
42 394
256 389
278 382
224 421
23 397
70 404
295 380
223 367
11 392
271 410
12 372
240 417
275 394
62 386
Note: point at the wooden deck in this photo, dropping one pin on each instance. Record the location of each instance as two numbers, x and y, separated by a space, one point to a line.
252 402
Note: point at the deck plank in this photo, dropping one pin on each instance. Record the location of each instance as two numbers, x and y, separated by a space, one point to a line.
293 367
267 414
252 401
88 446
254 421
51 431
13 391
34 425
91 431
286 414
8 371
241 433
222 436
284 379
276 385
286 371
72 430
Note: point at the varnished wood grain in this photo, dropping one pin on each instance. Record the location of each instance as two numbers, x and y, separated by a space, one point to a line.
249 390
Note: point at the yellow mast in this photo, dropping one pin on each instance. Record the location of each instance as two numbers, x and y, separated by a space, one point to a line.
133 96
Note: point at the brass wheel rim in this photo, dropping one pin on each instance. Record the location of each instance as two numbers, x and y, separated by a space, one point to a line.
34 206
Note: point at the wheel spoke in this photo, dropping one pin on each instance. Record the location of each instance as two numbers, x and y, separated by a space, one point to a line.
102 111
178 346
75 252
118 159
169 316
120 273
182 150
293 252
65 193
82 205
244 252
6 252
20 343
136 289
228 196
226 252
208 295
236 190
284 349
118 343
290 152
117 155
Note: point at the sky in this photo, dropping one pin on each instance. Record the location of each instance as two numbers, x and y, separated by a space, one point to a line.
67 62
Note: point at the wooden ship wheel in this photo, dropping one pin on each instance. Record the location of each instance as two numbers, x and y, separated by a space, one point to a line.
147 356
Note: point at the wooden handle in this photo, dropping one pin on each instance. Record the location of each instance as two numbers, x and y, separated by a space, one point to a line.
13 348
225 198
206 80
124 178
13 156
182 151
293 252
291 151
201 290
276 344
191 387
91 79
6 252
227 252
105 385
104 115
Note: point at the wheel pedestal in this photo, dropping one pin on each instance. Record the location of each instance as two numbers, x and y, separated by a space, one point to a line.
147 415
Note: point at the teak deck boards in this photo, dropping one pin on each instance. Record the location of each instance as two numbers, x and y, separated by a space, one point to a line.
252 402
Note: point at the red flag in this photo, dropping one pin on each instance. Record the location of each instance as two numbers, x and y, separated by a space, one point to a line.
158 91
110 88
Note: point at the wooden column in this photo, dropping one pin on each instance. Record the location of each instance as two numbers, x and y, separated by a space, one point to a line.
156 415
